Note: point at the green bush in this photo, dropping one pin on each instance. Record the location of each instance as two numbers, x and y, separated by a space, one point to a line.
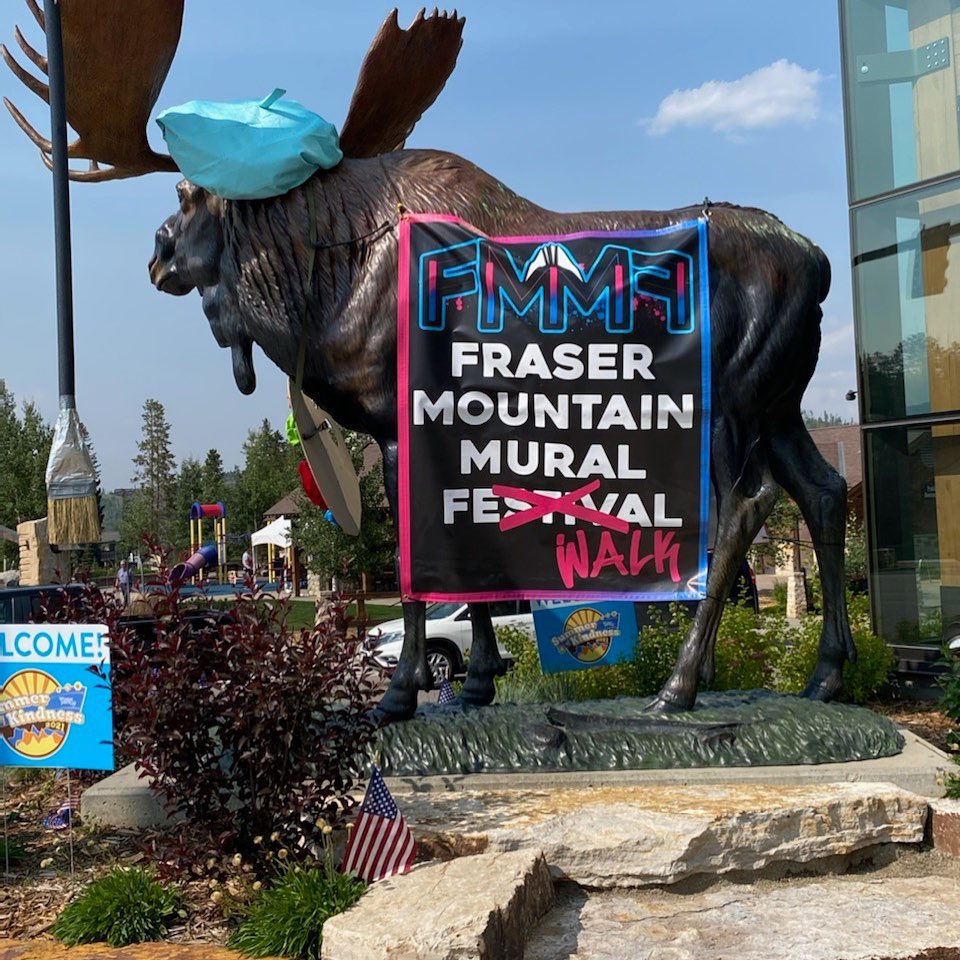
126 906
287 919
861 680
949 682
745 651
875 660
12 851
642 675
657 649
797 653
779 598
751 652
525 682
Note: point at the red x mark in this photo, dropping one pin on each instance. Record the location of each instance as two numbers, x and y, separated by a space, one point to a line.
565 504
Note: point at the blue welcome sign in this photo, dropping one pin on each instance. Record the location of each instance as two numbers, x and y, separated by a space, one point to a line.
578 635
55 696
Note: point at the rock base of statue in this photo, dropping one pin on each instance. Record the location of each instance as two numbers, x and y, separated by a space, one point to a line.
730 729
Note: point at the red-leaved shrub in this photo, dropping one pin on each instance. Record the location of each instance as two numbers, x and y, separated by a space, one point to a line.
245 727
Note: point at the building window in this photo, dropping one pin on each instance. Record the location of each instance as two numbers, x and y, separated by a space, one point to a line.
902 83
913 497
907 282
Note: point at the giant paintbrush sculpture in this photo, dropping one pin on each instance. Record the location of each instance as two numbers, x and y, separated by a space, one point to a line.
73 515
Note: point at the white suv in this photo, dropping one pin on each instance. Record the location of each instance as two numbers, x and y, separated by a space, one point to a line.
449 634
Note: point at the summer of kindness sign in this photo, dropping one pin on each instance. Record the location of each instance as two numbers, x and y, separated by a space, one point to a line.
55 696
554 413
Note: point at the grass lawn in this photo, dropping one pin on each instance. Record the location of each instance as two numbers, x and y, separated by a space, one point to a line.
300 613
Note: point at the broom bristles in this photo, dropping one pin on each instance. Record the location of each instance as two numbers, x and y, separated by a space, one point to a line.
73 520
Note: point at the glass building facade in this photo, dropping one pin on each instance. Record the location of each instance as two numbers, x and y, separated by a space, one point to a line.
901 67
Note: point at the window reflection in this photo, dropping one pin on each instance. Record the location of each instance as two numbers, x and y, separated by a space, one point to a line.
907 278
915 538
902 83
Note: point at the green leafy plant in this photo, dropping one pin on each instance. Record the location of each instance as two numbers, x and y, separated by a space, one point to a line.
12 850
751 651
861 680
797 653
657 649
745 651
525 682
126 906
949 683
779 604
287 918
875 659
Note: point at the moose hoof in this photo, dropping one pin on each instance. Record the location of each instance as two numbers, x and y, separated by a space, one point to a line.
398 703
478 691
669 702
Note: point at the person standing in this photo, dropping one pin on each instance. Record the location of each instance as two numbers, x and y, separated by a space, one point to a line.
124 581
247 562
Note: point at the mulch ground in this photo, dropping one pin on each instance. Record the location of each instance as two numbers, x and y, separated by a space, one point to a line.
38 881
922 718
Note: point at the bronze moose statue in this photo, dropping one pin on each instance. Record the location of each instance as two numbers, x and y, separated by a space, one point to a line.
250 261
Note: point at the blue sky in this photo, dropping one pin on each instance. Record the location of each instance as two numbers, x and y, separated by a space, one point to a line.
625 104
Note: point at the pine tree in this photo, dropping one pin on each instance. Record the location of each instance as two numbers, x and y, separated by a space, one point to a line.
213 480
24 450
269 473
815 421
155 474
187 490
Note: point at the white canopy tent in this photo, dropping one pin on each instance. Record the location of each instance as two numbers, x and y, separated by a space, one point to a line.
276 532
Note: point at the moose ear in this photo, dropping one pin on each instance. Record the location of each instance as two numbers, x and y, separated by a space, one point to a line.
402 74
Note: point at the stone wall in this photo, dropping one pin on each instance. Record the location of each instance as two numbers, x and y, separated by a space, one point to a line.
38 562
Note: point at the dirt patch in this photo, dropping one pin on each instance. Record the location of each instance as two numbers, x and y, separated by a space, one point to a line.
922 718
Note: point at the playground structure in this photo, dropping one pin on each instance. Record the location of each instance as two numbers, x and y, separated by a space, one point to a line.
205 556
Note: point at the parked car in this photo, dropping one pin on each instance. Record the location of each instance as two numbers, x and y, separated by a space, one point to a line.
449 635
23 604
27 604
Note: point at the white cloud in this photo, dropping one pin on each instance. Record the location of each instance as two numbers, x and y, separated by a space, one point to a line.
781 92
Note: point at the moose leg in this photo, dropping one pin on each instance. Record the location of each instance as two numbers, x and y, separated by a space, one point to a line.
821 494
412 672
746 493
485 661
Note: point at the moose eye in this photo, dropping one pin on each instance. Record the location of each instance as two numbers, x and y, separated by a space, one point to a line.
183 192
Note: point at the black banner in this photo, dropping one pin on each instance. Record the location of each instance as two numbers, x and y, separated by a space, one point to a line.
554 413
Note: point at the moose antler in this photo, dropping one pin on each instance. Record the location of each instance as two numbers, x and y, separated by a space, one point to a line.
116 58
117 55
402 74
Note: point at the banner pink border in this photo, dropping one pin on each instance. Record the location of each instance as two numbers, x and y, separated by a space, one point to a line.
403 424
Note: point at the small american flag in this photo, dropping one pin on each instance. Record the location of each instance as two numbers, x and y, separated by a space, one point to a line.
380 843
67 815
446 692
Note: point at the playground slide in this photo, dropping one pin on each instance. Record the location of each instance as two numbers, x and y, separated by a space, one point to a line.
192 566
